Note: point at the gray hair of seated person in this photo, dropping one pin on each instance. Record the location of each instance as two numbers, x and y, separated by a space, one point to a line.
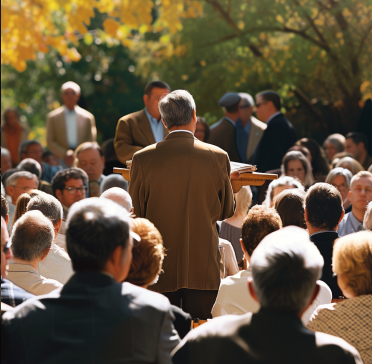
119 196
367 221
48 205
5 152
281 181
30 165
32 234
177 108
13 178
285 268
113 180
95 228
339 171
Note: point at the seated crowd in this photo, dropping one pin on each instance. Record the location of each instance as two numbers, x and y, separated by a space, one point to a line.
79 265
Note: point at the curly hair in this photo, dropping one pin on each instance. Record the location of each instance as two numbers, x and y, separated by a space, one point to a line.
148 255
352 257
260 221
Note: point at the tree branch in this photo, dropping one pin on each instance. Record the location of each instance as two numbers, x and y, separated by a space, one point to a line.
365 36
226 16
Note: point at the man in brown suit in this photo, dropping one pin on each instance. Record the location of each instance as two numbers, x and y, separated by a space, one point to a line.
69 125
182 186
142 128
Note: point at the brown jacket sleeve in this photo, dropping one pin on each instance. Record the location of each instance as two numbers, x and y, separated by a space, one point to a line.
123 142
52 143
137 188
226 195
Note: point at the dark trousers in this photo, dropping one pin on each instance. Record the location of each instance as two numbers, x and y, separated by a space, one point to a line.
197 303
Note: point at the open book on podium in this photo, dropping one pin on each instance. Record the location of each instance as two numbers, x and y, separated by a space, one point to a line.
247 175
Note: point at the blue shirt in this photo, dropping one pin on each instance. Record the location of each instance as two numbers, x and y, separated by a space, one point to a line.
241 138
156 127
49 172
349 224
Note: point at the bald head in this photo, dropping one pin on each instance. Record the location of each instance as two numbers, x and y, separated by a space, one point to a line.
119 196
32 236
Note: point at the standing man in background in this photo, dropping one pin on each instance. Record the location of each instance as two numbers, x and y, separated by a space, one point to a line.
69 125
249 130
222 133
142 128
279 135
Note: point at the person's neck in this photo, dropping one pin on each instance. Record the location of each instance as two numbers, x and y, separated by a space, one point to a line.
233 116
33 264
359 214
271 115
189 127
236 220
313 229
157 117
70 107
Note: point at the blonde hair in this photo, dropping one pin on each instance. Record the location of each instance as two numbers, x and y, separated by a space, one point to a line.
352 257
148 255
243 200
355 166
367 221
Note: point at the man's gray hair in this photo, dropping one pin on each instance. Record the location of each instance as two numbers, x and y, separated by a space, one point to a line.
5 152
285 268
247 99
113 180
48 205
339 171
13 178
177 108
30 165
367 222
32 234
119 196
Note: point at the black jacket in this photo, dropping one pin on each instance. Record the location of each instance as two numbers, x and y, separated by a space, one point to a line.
324 242
277 139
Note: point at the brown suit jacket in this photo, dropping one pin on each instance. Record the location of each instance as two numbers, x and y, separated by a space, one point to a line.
56 130
182 186
133 133
222 134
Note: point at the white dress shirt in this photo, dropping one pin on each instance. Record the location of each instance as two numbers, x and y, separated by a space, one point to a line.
71 127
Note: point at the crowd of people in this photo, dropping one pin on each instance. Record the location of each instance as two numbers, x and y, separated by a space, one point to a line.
173 266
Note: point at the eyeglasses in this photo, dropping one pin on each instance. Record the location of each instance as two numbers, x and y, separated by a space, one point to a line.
259 104
7 246
23 188
73 190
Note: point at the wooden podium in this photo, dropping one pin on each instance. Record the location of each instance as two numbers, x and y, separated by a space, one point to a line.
245 179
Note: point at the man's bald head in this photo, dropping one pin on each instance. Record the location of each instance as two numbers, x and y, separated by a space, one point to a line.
119 196
32 236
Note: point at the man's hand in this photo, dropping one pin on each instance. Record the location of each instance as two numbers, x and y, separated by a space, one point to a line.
69 157
234 175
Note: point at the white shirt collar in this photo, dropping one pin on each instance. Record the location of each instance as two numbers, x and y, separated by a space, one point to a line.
184 131
272 117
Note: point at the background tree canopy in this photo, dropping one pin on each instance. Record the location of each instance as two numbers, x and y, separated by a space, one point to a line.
315 53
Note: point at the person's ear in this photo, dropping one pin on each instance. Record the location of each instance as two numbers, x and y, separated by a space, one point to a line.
145 99
243 247
306 215
314 295
194 116
45 253
6 219
9 190
164 123
349 196
251 289
342 216
58 226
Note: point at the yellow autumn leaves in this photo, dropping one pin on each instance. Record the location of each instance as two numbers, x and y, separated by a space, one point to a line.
32 26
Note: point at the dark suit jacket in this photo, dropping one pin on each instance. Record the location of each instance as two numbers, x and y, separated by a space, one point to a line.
13 295
182 321
182 186
133 133
277 139
92 319
222 134
324 242
262 338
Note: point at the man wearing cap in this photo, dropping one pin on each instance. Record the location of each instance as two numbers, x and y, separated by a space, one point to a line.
249 130
142 128
223 132
69 125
